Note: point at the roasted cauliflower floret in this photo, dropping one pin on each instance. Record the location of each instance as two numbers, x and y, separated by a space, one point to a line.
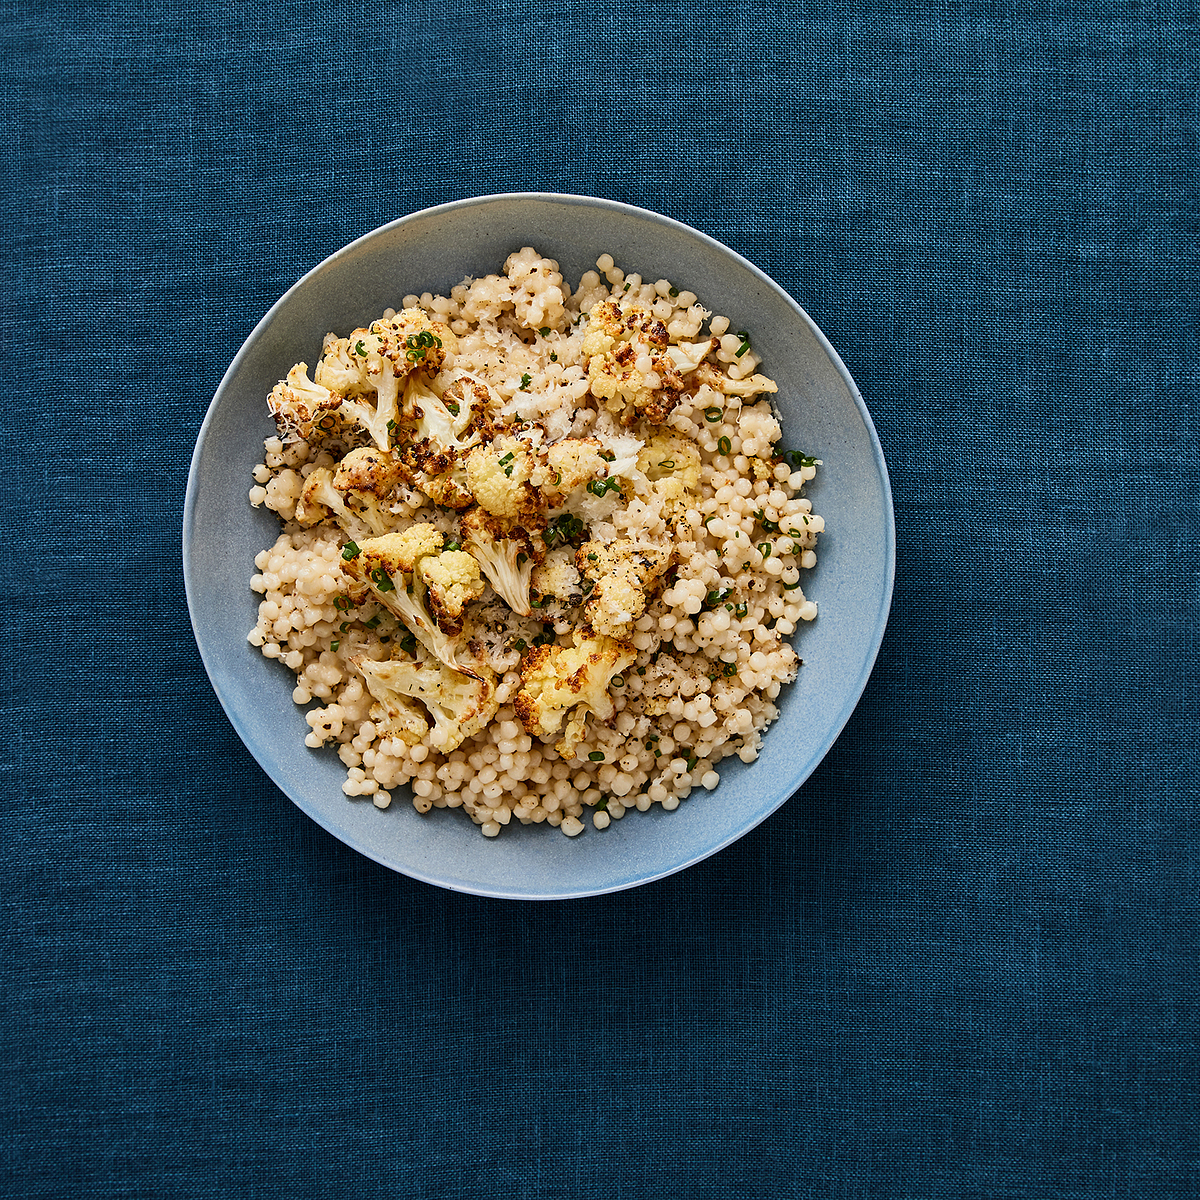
569 464
568 683
617 578
453 580
366 369
559 577
423 586
506 555
355 494
632 366
497 475
301 407
438 430
753 385
459 704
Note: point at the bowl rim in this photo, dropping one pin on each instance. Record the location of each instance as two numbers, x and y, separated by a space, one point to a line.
854 691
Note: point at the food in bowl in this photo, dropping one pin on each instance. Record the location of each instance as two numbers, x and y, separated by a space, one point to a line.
541 548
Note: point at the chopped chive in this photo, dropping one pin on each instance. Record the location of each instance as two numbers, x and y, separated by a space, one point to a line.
350 551
764 548
373 623
618 681
791 587
526 380
668 464
745 343
741 610
383 581
544 331
452 408
553 357
335 644
520 644
729 669
452 546
342 603
596 756
712 414
724 445
360 351
673 293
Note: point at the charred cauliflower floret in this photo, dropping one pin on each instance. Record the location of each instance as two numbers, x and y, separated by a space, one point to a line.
355 494
617 577
367 368
506 555
424 586
301 407
632 367
460 705
568 683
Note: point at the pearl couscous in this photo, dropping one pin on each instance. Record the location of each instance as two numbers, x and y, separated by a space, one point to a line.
540 553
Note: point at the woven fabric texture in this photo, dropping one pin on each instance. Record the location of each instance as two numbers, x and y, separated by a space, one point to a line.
962 962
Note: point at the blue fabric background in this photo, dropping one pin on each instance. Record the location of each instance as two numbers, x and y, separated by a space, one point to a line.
962 962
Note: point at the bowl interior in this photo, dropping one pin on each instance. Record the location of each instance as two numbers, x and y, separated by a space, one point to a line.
822 414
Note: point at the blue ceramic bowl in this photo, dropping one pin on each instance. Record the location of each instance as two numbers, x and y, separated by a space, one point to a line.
822 414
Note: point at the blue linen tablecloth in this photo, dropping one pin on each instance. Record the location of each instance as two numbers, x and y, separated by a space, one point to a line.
962 961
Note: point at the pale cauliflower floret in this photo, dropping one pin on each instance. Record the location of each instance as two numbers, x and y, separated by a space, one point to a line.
759 430
460 705
569 682
621 574
497 475
299 405
671 467
506 556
